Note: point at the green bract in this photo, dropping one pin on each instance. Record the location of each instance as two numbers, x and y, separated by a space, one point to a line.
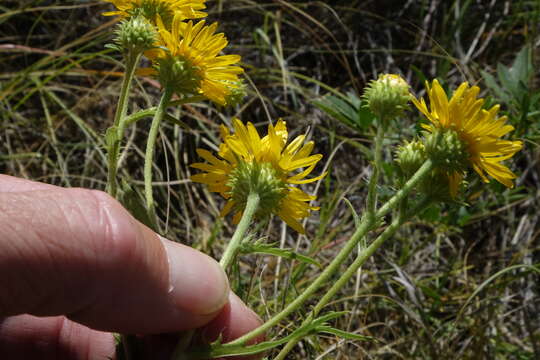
134 35
259 178
387 97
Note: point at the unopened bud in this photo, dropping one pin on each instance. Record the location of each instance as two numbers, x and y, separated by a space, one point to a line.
134 35
410 157
387 97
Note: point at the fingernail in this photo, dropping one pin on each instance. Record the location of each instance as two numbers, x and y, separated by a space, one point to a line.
197 283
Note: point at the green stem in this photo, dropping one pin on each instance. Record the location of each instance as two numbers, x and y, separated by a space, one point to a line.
353 268
424 170
252 205
150 147
343 254
251 208
133 118
374 180
121 110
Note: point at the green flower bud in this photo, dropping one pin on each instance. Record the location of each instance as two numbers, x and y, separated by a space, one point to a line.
261 178
134 35
446 150
410 157
179 74
237 94
387 97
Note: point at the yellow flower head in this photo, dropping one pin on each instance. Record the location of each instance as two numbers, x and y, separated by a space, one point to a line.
478 130
199 46
245 155
154 9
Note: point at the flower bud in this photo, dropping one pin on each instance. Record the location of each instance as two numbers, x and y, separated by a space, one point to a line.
387 97
134 35
260 178
410 157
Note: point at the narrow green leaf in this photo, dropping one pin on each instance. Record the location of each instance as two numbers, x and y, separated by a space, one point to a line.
270 249
343 334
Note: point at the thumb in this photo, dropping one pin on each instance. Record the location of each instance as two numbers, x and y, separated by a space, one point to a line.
79 253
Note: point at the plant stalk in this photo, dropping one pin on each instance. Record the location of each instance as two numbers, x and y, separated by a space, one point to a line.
360 232
150 147
252 205
374 180
353 268
121 111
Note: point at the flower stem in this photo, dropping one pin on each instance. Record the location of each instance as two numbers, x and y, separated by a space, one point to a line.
150 147
119 124
252 204
374 180
343 254
353 268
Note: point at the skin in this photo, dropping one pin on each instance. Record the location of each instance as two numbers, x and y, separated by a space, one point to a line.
76 266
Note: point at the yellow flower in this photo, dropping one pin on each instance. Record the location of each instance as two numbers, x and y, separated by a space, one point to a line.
479 131
165 9
199 47
271 154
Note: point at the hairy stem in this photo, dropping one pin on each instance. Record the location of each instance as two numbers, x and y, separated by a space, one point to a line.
353 268
150 147
119 123
374 180
360 232
252 205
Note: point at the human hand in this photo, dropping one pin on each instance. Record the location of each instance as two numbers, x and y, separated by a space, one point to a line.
76 266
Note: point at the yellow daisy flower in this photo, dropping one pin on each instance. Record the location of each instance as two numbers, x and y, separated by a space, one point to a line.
165 9
479 131
273 160
199 46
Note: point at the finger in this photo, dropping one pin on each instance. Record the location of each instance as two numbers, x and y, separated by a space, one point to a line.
235 320
30 337
13 184
78 252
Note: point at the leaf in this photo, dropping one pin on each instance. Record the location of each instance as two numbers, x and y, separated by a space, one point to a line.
494 86
132 202
259 247
111 136
356 217
522 68
505 77
217 349
344 334
348 110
